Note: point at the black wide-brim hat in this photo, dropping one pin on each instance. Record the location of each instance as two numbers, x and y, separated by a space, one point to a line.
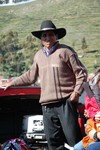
48 25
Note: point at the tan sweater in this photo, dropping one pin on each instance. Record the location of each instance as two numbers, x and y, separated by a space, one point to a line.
60 74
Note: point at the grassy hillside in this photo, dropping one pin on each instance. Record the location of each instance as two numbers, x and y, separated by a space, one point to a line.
80 18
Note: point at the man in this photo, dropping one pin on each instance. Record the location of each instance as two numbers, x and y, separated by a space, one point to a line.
61 78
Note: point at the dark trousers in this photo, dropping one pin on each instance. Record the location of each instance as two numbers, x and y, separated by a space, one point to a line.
61 124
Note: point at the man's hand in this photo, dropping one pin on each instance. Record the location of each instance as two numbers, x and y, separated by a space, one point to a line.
5 84
74 97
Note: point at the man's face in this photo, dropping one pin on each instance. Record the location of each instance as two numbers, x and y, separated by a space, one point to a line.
48 39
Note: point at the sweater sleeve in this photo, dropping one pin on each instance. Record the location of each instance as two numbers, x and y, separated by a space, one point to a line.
79 71
28 77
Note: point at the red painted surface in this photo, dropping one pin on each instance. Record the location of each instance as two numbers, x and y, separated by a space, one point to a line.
20 91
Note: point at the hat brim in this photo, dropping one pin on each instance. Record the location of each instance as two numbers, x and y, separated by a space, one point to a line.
61 32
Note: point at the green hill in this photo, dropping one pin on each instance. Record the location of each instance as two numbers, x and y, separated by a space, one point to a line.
80 18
